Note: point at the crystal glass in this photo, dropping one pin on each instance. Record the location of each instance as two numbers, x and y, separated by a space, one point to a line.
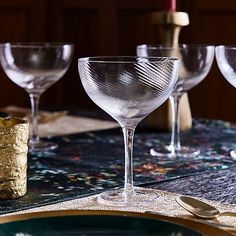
196 61
35 67
226 61
128 89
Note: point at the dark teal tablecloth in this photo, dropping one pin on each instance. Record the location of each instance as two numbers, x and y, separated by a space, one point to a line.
92 162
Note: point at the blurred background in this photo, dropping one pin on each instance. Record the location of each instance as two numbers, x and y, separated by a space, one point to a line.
115 27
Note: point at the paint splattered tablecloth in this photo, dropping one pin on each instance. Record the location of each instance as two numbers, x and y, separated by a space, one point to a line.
91 162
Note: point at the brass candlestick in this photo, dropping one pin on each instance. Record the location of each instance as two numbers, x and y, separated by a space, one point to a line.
169 25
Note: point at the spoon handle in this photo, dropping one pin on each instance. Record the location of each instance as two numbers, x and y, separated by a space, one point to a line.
227 214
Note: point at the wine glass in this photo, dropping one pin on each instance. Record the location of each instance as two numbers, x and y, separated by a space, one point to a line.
128 89
35 67
226 61
196 61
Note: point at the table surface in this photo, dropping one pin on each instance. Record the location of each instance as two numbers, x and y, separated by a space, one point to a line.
211 176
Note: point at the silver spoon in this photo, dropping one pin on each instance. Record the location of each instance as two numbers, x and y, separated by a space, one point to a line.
200 208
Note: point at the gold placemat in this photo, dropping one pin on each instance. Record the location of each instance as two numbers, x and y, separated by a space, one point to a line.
165 205
72 125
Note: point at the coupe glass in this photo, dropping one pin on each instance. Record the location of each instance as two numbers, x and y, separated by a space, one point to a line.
226 61
196 61
35 67
128 89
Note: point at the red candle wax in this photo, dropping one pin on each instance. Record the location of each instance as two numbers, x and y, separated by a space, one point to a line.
168 5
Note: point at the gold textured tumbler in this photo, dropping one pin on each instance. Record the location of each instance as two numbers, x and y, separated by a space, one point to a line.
14 134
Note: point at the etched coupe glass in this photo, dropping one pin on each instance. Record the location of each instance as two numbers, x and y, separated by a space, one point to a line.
195 64
128 89
226 61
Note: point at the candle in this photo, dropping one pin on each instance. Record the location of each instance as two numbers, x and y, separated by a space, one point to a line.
168 5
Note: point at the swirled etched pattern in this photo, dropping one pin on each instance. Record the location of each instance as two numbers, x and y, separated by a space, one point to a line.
128 90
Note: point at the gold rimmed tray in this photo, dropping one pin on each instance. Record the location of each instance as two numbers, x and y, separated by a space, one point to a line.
90 222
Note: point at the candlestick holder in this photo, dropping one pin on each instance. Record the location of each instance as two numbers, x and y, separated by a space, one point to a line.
169 25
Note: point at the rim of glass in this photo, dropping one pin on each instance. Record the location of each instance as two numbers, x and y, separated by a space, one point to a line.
226 46
35 44
125 59
183 45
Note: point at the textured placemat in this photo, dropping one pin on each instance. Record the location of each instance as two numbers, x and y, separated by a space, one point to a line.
88 163
165 205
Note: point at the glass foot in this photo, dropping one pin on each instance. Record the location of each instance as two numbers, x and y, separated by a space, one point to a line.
168 151
139 197
40 145
233 154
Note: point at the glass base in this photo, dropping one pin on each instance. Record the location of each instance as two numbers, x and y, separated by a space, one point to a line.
138 197
233 154
168 151
39 146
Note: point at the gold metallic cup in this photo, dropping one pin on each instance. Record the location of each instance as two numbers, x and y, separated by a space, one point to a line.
14 133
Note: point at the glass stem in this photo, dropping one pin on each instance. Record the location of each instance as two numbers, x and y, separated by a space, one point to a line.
128 140
34 100
175 131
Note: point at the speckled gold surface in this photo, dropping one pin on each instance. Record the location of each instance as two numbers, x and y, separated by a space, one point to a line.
14 134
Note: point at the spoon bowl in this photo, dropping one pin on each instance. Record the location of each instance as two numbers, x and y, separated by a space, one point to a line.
200 208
